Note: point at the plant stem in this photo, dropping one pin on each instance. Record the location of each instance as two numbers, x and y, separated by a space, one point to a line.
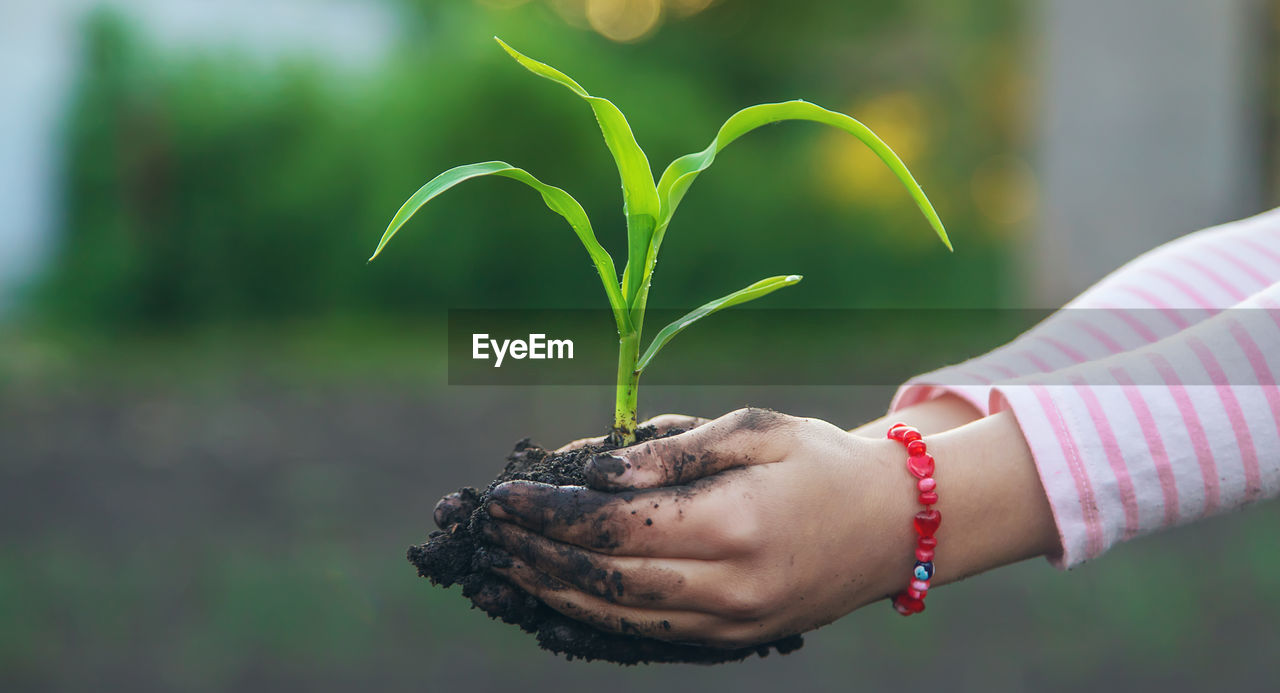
624 411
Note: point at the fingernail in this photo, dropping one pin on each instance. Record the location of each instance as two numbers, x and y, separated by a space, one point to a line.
497 510
499 504
453 508
608 465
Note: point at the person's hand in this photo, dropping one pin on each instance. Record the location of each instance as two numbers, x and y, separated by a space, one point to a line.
457 506
661 424
932 416
737 532
760 525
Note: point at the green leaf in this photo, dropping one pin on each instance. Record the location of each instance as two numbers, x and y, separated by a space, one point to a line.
681 173
750 293
639 195
557 200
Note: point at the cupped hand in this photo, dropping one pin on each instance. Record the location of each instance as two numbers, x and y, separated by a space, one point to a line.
748 528
662 424
457 506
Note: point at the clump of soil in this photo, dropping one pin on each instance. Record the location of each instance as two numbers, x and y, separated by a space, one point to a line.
459 555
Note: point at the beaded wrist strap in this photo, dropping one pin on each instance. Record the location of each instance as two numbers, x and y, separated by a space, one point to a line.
920 464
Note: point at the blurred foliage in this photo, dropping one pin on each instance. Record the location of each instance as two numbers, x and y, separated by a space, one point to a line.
213 188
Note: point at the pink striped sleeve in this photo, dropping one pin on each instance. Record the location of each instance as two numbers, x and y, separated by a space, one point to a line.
1176 430
1156 295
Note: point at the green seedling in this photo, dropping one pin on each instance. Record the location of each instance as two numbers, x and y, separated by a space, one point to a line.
648 207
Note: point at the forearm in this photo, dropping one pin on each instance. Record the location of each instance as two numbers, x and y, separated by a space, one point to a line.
993 503
993 506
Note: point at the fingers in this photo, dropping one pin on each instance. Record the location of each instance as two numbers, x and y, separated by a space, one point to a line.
640 582
704 520
456 507
741 438
661 423
576 604
496 598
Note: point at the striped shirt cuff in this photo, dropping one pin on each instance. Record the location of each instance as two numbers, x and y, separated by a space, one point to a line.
1050 433
936 384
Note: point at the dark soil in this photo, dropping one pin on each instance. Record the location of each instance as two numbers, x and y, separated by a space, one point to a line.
459 555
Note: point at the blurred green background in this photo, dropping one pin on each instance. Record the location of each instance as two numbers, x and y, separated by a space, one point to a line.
220 428
202 189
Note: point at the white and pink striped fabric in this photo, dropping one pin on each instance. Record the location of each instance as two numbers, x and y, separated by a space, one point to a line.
1151 399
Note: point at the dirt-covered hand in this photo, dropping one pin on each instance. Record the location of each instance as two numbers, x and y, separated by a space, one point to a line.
663 424
456 507
759 525
749 528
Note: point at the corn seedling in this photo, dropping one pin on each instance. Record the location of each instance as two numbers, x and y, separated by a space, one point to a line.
648 207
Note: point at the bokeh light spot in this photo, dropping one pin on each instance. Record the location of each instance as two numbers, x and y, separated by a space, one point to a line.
624 20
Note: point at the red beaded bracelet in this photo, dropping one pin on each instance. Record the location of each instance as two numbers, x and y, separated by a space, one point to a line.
920 464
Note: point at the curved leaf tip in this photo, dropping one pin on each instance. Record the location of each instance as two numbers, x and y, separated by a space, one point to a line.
544 70
557 200
749 293
680 174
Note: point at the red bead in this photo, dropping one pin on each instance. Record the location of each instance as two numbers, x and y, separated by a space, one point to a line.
927 521
907 605
920 466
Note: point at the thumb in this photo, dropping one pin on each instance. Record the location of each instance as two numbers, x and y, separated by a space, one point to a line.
738 439
661 424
